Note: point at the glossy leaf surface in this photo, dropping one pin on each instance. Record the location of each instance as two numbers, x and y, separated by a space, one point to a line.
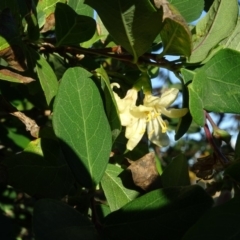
216 86
117 195
81 124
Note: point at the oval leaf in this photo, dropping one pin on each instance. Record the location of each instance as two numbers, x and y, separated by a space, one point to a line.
175 34
163 212
133 24
215 86
110 103
47 78
216 25
8 75
117 195
72 28
80 122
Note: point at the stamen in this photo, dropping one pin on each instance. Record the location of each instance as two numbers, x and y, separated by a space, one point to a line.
162 124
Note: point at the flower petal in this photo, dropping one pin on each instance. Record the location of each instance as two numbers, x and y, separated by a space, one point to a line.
155 134
134 133
150 101
124 105
168 97
174 113
140 111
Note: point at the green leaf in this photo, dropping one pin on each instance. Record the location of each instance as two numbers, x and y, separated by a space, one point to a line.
47 79
48 6
176 38
40 170
189 9
133 24
8 75
215 86
71 28
234 39
55 220
176 173
80 122
3 44
185 121
110 104
187 75
58 64
216 25
117 195
175 33
221 222
166 212
91 41
32 24
80 8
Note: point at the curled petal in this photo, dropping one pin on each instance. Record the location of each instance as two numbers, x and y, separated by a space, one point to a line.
124 105
168 97
150 101
174 113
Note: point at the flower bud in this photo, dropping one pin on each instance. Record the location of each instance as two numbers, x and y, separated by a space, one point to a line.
222 135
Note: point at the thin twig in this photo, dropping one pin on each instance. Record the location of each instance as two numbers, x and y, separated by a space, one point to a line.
216 149
147 58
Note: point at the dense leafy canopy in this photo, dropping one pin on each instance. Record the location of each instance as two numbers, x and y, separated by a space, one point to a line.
83 126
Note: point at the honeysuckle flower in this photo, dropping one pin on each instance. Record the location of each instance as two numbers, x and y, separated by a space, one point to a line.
125 104
147 116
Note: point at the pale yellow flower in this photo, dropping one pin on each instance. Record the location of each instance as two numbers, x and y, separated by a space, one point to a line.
138 118
149 116
125 104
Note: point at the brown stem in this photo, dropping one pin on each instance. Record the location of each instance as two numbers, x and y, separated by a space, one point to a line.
30 124
216 149
209 118
116 53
